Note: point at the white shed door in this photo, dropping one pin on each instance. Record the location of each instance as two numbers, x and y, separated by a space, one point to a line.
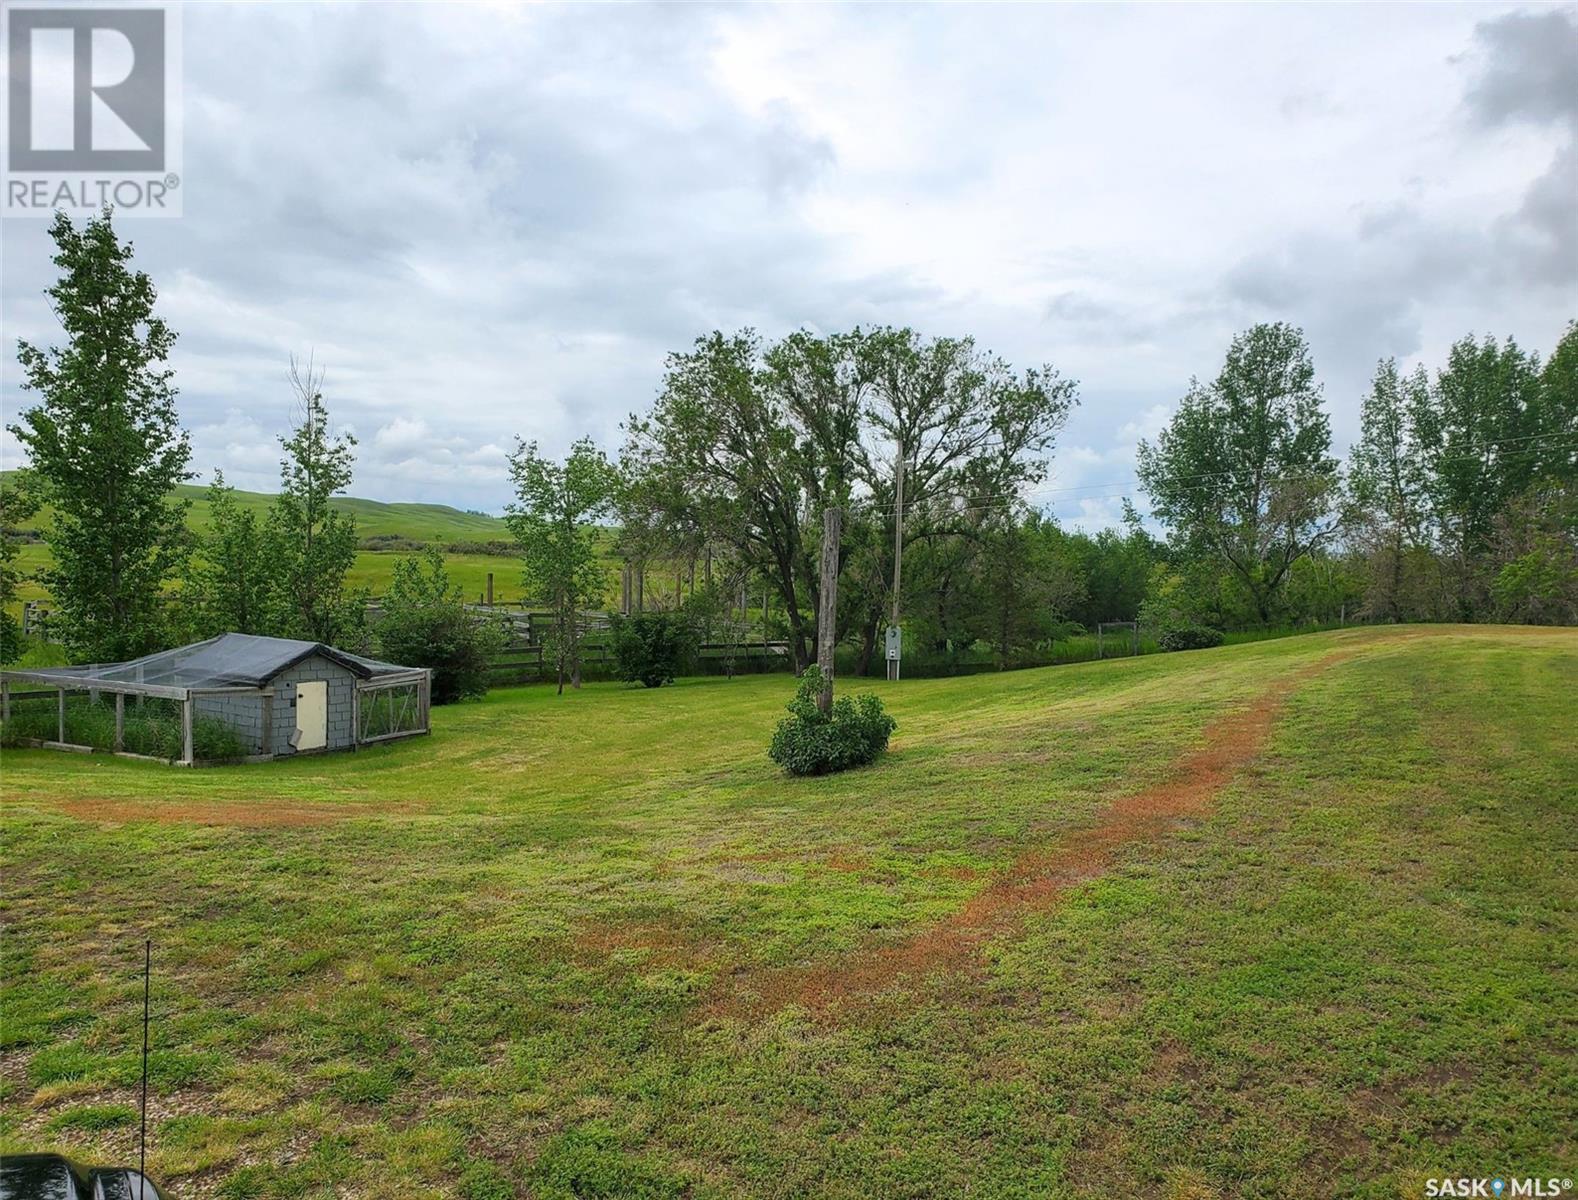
312 715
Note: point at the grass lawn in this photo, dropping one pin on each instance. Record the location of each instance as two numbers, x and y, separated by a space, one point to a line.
1286 919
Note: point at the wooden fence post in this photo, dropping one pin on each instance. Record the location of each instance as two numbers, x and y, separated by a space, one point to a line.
827 604
120 721
186 730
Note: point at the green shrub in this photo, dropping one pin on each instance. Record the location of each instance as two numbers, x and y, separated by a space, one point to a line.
811 742
651 648
1189 637
424 623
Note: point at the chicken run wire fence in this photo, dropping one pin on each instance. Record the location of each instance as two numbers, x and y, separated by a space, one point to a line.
231 697
391 710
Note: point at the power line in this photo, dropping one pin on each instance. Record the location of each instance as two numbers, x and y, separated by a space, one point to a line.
1204 475
1005 501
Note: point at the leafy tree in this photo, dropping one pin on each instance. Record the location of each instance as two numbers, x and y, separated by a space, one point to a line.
231 580
314 545
973 435
754 441
17 504
1477 430
1244 471
1114 567
106 446
748 443
1387 483
1028 587
552 518
423 622
1555 424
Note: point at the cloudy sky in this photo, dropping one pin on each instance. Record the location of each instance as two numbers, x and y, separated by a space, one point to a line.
489 221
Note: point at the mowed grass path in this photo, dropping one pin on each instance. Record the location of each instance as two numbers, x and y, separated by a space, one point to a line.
597 946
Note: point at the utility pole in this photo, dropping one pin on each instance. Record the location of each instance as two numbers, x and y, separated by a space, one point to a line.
893 648
827 602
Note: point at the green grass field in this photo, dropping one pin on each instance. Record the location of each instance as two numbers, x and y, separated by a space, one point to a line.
1286 919
372 569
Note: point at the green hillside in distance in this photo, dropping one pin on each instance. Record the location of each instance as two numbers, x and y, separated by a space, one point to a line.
374 518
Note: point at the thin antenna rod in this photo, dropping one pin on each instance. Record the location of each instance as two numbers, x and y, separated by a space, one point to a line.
142 1141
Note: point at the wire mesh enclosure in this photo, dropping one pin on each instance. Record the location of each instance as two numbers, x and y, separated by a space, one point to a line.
234 697
392 709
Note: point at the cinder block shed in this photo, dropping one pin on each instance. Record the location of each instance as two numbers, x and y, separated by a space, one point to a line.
277 696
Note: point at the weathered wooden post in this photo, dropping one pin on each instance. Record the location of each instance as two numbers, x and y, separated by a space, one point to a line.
898 556
120 721
827 603
186 730
490 589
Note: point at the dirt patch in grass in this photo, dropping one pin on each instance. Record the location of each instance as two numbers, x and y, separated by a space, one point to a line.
851 864
258 814
658 945
1033 883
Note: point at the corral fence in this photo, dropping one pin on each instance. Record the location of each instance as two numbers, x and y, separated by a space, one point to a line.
527 655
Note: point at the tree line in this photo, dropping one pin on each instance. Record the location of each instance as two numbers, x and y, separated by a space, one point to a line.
1459 500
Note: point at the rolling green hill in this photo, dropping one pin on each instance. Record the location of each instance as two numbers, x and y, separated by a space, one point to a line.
374 518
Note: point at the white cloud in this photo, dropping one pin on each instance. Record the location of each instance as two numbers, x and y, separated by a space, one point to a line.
489 222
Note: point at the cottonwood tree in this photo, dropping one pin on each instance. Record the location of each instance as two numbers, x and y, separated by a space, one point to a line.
106 446
757 441
968 432
553 518
1244 471
314 545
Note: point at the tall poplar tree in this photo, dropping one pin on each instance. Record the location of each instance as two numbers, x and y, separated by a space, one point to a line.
314 544
552 516
106 446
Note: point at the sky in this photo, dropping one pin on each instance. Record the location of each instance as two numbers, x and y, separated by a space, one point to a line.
488 222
